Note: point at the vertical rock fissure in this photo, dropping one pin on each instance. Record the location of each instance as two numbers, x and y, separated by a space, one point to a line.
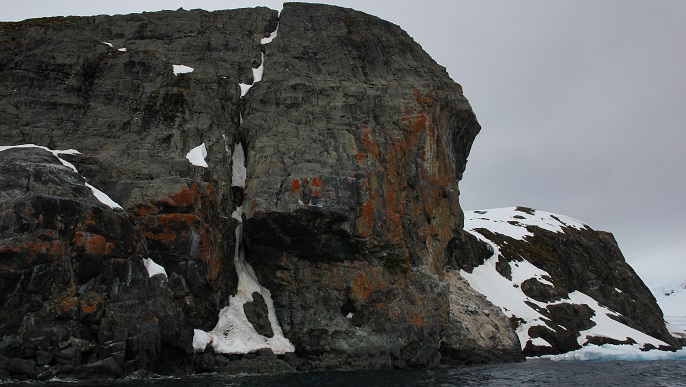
240 329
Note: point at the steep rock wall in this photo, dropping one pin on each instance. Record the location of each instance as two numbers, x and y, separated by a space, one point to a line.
355 140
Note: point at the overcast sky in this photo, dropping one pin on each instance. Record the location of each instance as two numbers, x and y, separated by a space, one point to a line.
582 105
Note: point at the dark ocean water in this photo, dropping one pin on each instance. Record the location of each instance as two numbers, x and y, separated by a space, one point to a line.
530 373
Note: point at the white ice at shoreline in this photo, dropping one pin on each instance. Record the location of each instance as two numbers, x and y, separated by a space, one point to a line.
609 352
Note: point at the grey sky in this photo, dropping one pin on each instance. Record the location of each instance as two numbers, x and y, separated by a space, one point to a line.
582 104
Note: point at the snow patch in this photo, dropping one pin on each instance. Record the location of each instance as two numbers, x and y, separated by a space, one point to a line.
606 326
268 39
234 334
200 340
101 196
197 156
123 49
244 88
153 268
540 342
236 214
676 328
108 43
238 170
182 69
257 73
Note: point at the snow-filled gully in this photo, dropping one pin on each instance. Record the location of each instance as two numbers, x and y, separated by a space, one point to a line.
234 334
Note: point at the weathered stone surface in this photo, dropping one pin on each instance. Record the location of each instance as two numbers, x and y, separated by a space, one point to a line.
72 267
353 200
478 331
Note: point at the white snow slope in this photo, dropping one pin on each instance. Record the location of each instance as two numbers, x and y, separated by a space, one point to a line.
507 294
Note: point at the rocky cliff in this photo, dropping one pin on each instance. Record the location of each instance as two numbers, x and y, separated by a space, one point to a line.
562 284
244 191
226 182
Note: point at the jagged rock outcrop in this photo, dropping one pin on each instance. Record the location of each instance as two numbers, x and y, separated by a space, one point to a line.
355 140
561 283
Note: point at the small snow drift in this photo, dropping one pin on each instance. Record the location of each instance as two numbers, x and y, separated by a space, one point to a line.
181 69
561 284
197 156
153 268
238 171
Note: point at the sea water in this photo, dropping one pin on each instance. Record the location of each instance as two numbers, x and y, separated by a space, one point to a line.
539 372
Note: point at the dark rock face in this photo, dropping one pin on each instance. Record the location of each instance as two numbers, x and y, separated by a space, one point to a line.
71 267
355 142
354 200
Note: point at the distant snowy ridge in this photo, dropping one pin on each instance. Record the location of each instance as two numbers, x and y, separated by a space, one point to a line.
672 301
524 311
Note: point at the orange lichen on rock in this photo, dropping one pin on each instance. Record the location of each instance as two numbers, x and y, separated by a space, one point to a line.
161 237
362 288
93 243
427 100
367 218
212 263
90 303
188 219
417 320
184 198
295 186
68 304
369 143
